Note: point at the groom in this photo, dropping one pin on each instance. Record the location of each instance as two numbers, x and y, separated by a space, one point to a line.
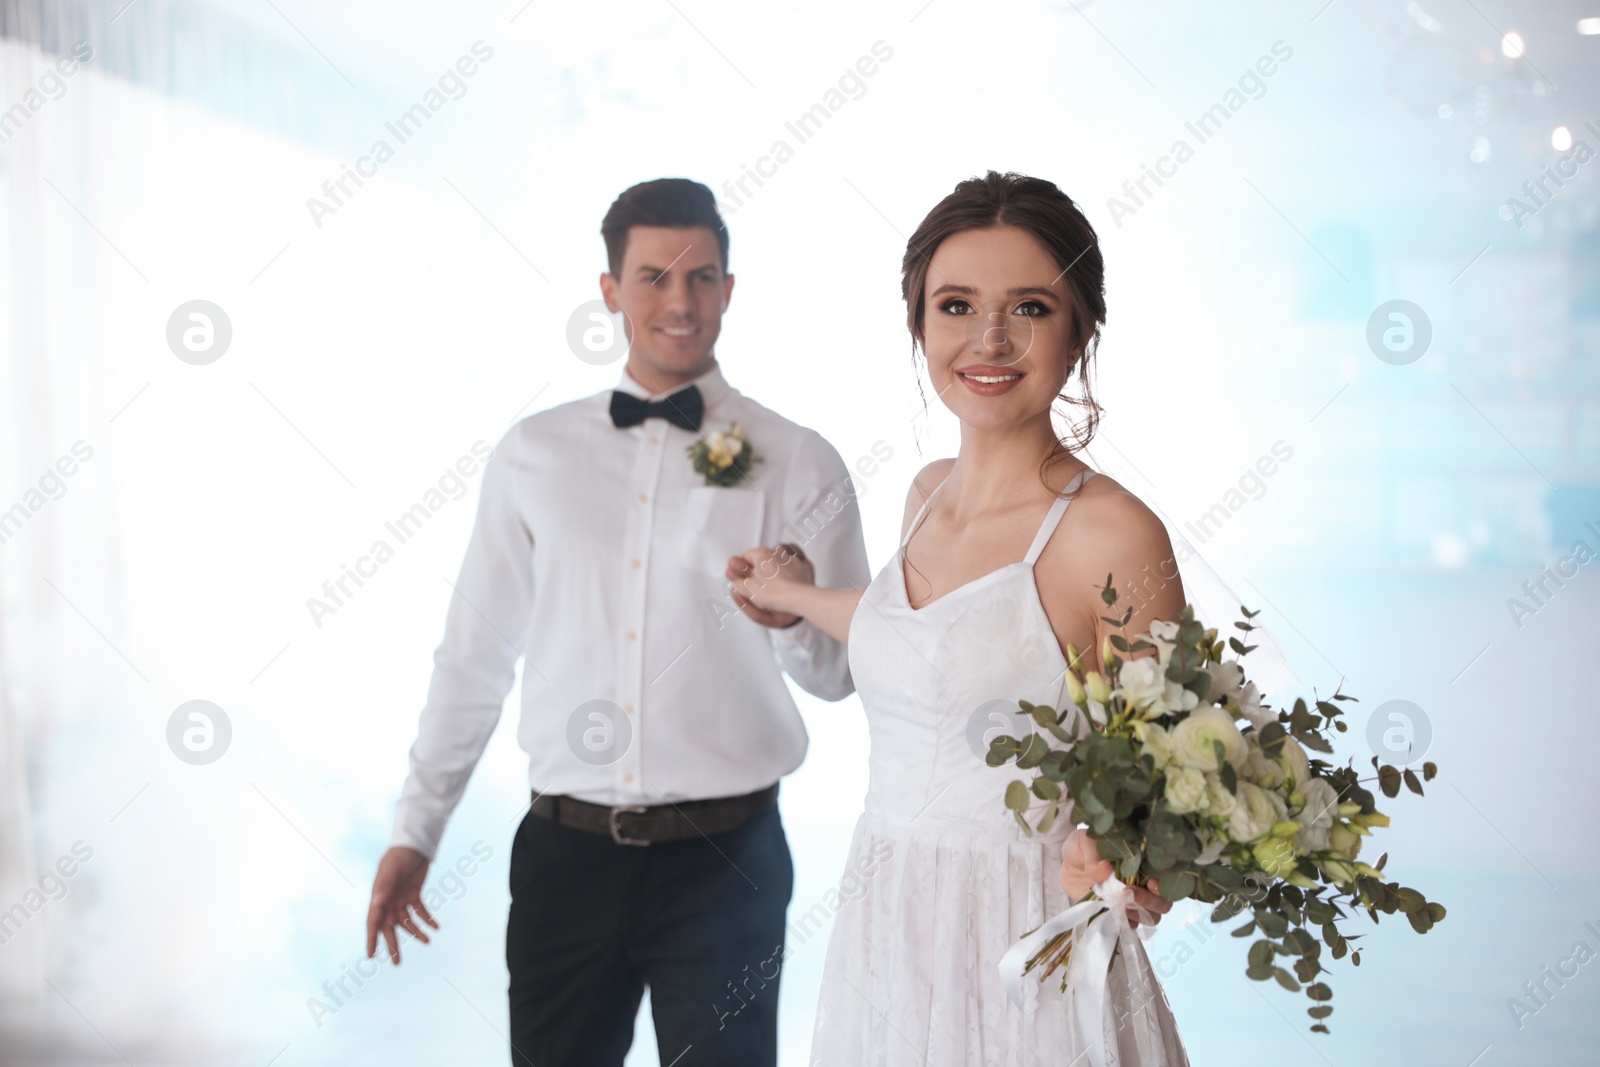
654 714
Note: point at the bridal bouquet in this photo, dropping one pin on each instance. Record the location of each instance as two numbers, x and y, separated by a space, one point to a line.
1186 778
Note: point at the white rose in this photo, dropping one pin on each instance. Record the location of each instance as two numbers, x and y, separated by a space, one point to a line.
1266 773
1141 682
1254 813
1316 816
1226 679
1186 790
1296 765
1192 739
1220 800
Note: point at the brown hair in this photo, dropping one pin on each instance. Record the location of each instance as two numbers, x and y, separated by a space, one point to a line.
673 202
1043 210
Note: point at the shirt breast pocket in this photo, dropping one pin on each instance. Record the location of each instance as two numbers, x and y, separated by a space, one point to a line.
720 522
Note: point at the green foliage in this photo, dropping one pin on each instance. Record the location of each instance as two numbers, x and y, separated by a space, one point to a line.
1108 781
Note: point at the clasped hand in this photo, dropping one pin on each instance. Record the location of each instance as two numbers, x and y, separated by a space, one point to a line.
763 580
1082 868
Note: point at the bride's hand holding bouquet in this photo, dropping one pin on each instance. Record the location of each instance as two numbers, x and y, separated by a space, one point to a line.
1083 868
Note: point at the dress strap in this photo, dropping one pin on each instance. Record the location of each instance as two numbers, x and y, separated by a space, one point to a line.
911 529
1052 519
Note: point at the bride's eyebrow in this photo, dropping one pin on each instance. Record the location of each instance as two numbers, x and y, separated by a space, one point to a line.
1021 290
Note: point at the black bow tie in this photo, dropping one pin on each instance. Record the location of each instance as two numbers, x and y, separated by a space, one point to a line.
683 408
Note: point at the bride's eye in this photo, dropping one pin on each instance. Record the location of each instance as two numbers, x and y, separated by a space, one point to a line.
955 306
1032 309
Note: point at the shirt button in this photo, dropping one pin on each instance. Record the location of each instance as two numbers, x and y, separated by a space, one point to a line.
641 498
632 636
653 439
628 708
627 777
636 564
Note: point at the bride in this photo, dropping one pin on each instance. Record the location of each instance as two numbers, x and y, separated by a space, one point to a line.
1003 554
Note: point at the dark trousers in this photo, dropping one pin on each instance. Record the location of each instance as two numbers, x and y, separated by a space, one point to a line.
700 921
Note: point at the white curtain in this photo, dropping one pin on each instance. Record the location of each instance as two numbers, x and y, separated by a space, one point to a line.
174 561
107 109
57 556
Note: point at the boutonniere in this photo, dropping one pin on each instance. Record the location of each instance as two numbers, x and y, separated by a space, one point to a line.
723 458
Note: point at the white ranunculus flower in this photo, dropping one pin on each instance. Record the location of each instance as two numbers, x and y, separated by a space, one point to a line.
1254 813
1316 816
1186 790
1226 681
1141 683
1248 705
1220 800
1267 773
1156 741
1192 738
1296 764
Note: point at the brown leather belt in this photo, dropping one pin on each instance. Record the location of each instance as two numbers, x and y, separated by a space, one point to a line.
640 824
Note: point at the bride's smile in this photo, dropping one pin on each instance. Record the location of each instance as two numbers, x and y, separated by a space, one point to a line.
985 381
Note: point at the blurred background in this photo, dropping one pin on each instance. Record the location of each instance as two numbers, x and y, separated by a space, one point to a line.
1357 237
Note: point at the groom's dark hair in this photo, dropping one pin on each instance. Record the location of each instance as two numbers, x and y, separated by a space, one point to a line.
675 202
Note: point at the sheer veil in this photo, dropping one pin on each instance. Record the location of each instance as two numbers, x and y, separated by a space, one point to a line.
1215 602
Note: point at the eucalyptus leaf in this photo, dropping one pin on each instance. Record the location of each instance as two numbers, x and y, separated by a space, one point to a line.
1034 750
1272 924
1410 900
1177 886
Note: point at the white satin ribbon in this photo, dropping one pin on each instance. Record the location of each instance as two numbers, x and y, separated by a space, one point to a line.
1092 945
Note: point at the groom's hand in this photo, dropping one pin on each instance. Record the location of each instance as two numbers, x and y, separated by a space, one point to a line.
396 891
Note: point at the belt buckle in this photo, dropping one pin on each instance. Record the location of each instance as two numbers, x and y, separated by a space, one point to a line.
616 831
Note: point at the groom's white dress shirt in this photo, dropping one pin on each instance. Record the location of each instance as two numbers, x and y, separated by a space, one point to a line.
598 554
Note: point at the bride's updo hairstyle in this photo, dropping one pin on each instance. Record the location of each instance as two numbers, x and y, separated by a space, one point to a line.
1041 209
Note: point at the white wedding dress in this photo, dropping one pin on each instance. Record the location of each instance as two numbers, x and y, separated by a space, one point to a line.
911 975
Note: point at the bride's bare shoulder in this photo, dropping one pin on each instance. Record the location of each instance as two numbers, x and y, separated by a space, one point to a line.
1107 530
927 479
1111 526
